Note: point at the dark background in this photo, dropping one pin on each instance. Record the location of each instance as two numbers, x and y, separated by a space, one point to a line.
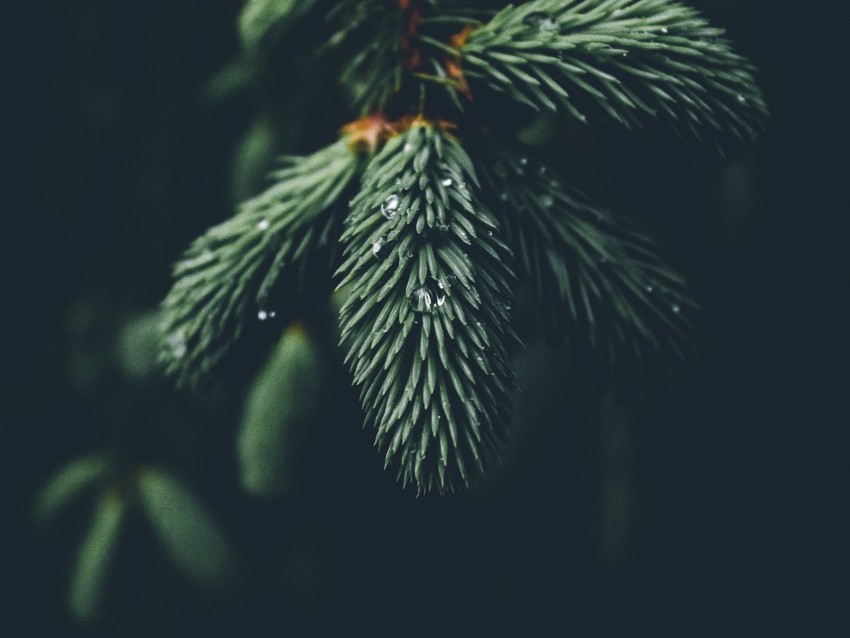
736 473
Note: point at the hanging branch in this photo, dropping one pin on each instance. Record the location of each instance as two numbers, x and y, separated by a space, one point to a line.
600 280
226 276
427 266
426 320
626 59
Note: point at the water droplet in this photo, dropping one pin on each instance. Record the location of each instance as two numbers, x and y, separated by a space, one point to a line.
389 208
428 297
177 344
262 315
447 182
650 289
540 20
263 224
523 161
547 201
377 247
483 364
503 196
663 29
742 99
408 147
676 308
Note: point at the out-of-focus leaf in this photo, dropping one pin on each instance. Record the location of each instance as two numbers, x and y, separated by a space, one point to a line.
138 345
69 483
187 531
260 17
94 558
282 399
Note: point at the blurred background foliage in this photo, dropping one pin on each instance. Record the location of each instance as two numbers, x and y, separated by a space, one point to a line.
713 508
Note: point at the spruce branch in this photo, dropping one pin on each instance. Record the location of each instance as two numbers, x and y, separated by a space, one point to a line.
380 31
226 276
426 321
626 59
595 274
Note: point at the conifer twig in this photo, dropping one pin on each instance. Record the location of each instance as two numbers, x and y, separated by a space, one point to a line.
426 322
225 278
596 277
626 59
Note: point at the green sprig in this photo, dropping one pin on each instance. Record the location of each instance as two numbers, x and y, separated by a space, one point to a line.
599 279
626 59
226 276
426 321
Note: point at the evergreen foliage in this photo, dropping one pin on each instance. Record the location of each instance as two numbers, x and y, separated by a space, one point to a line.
426 320
226 276
623 58
599 280
428 269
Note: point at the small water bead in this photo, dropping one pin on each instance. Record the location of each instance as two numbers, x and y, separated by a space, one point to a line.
676 308
650 289
389 208
408 147
503 197
541 21
523 161
428 297
663 29
547 201
263 224
742 99
483 364
377 247
262 315
447 182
